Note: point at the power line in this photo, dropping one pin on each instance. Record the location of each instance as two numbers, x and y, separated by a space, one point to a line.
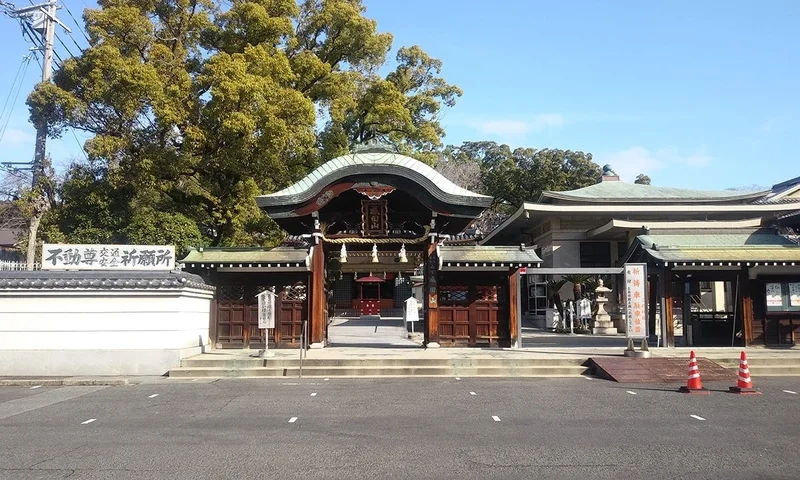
77 25
16 95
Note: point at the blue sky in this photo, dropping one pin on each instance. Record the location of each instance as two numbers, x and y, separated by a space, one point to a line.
695 94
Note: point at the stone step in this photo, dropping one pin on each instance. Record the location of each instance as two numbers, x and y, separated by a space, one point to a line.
385 362
378 371
760 362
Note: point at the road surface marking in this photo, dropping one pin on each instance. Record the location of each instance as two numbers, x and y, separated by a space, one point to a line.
35 387
195 379
632 393
472 393
314 394
45 399
696 417
88 421
495 418
290 384
293 419
458 378
327 379
789 391
587 377
153 395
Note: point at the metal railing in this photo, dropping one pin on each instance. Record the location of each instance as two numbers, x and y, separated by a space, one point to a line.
7 265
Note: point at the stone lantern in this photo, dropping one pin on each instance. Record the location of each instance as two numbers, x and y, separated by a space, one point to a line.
602 320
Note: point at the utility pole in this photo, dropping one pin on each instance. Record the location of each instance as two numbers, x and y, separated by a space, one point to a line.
41 19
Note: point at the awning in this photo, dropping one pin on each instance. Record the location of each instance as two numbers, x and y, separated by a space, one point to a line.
278 258
762 246
370 279
483 257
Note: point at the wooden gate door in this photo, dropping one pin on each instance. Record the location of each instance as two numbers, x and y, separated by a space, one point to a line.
292 308
472 315
232 316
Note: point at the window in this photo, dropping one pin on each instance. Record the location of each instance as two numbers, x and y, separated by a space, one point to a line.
595 254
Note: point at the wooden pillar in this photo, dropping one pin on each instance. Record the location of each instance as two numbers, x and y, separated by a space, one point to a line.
747 306
652 300
670 324
513 310
431 296
318 297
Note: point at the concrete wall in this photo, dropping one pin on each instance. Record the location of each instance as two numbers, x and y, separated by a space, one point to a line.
101 332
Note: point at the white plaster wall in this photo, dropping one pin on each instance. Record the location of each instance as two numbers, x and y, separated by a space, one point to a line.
100 332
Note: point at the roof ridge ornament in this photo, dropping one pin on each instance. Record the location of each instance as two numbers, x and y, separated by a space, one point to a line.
374 144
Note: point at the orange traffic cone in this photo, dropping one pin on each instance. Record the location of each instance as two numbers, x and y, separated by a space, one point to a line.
743 383
693 383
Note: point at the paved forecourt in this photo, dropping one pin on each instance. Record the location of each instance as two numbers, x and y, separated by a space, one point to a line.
398 428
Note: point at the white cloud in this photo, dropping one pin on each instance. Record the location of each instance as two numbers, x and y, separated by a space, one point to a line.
632 161
15 136
517 128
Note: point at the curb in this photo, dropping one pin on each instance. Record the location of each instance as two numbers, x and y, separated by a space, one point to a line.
63 382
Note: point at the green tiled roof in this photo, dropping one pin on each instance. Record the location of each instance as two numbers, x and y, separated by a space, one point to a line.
757 246
621 191
276 255
486 254
374 161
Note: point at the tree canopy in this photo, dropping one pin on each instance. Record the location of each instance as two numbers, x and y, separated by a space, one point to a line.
197 106
521 175
642 179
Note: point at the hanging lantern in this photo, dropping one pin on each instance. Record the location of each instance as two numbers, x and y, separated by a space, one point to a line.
343 254
403 258
375 253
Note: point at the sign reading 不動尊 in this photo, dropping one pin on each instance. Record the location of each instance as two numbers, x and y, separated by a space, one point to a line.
59 256
636 299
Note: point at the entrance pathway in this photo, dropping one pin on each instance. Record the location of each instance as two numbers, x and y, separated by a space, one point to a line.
370 331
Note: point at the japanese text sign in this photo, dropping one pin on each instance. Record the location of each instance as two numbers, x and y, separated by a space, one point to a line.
636 299
57 256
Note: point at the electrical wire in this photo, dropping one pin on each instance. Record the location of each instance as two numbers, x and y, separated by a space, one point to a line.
14 82
77 25
16 96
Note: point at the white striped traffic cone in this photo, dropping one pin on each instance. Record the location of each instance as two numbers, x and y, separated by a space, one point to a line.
744 385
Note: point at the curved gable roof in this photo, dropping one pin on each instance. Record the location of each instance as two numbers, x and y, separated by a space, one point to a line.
374 161
614 192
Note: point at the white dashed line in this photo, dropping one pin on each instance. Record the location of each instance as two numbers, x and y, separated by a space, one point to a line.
632 393
495 418
195 379
587 377
472 393
458 378
88 421
153 395
293 419
697 417
35 387
789 391
314 394
327 379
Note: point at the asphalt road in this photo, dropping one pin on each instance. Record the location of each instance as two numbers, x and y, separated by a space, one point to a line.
398 428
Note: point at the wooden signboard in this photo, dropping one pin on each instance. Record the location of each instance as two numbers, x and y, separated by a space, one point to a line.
374 218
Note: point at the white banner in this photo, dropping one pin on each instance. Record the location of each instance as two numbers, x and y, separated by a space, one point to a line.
774 295
636 299
794 294
266 309
58 256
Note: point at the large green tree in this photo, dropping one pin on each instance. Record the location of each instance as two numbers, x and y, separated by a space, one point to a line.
521 175
197 106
